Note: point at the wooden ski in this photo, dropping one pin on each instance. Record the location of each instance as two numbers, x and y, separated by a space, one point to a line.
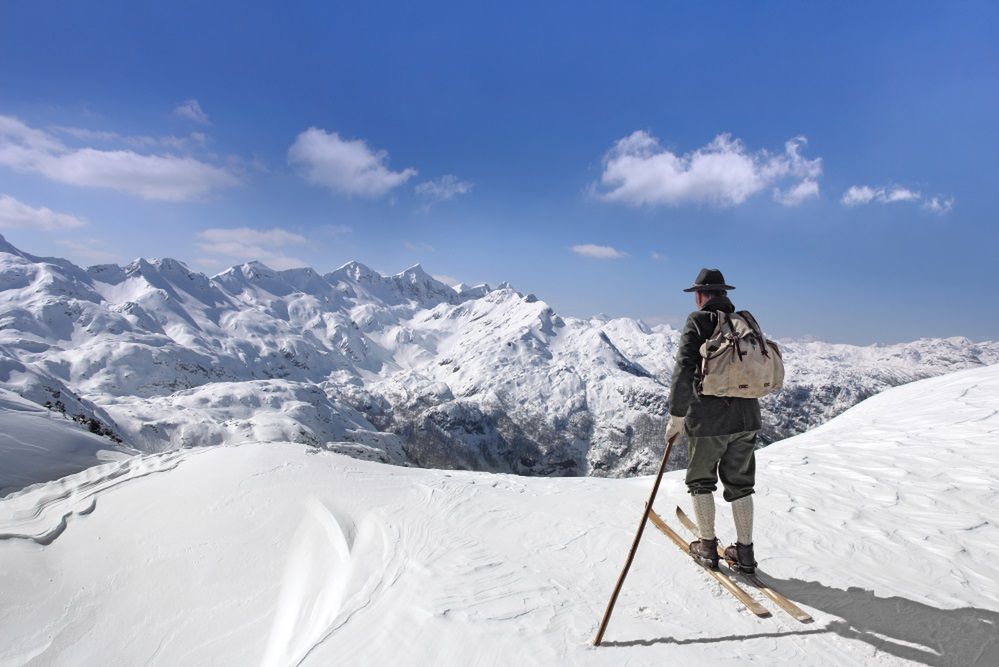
794 610
722 578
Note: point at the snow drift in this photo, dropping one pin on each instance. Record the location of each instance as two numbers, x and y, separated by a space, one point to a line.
882 523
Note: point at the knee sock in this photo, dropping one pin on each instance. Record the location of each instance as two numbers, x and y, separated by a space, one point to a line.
704 511
742 512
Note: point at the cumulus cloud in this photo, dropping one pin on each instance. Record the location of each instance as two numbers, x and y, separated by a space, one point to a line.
598 251
246 244
345 165
444 188
639 171
18 215
859 195
796 194
191 110
150 176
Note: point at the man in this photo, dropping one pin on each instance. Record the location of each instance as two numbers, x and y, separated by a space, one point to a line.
721 432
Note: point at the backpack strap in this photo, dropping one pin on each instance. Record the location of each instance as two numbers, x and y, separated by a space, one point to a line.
755 326
735 336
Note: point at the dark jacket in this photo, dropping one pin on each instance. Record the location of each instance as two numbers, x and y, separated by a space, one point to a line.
706 415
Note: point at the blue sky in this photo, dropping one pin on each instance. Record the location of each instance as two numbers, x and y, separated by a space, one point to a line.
838 162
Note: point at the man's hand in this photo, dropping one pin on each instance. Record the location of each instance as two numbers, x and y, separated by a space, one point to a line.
674 427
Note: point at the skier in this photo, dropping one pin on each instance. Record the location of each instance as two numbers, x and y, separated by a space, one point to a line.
721 432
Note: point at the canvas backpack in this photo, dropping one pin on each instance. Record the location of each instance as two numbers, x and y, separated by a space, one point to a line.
738 361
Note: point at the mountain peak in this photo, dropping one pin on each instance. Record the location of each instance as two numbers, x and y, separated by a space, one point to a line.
356 272
5 246
415 269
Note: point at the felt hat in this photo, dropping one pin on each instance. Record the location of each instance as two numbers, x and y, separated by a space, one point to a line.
709 279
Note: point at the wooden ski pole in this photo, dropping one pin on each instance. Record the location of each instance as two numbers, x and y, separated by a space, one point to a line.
634 546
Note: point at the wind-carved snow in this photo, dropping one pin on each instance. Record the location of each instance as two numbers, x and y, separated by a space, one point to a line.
401 369
883 524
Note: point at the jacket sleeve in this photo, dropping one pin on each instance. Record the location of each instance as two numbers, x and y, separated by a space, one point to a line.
688 358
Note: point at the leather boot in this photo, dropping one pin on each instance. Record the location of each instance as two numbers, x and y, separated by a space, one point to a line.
705 552
740 556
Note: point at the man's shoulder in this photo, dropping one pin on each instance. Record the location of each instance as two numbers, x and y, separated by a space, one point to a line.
702 321
701 316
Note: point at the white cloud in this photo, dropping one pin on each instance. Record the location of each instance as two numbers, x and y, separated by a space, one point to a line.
901 194
17 215
939 204
191 110
658 256
598 251
444 188
859 195
796 194
345 165
639 171
170 141
246 244
418 246
151 176
90 249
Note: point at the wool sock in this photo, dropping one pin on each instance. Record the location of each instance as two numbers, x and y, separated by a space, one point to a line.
704 511
742 512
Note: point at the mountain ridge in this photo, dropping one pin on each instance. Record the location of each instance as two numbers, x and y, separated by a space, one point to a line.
414 371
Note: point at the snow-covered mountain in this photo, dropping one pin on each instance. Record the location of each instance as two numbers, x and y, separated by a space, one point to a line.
883 524
401 369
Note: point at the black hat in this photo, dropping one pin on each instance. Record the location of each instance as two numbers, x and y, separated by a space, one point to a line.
709 279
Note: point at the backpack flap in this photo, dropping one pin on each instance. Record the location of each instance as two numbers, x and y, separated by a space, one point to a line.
737 361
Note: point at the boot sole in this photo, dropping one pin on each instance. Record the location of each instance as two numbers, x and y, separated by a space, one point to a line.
706 562
738 568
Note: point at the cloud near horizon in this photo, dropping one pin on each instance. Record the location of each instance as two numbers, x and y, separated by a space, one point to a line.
18 215
246 244
598 251
640 172
348 166
164 177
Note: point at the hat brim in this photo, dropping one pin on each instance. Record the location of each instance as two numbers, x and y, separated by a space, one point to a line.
707 288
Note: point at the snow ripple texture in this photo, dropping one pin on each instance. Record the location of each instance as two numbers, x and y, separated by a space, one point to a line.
401 369
882 523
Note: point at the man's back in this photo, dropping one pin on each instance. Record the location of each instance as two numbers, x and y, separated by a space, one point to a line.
707 415
721 431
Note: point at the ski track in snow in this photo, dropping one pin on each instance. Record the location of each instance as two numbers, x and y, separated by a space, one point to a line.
883 524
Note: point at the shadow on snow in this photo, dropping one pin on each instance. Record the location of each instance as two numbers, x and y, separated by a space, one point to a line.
963 637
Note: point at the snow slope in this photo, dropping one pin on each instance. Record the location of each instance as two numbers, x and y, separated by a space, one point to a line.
38 444
884 523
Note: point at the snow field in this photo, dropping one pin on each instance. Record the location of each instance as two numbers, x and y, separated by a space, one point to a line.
882 523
